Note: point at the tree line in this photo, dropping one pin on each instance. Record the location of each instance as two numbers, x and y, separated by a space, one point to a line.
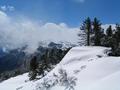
95 35
41 66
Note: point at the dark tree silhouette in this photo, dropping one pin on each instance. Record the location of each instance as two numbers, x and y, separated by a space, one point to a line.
86 26
97 31
109 31
33 68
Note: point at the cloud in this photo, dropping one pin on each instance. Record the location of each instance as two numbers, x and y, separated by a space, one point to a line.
7 8
18 33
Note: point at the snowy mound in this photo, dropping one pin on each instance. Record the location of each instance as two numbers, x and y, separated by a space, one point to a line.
87 68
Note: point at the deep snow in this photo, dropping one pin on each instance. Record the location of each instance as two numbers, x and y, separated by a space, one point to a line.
91 66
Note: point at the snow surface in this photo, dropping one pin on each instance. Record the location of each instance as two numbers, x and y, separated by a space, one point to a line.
91 66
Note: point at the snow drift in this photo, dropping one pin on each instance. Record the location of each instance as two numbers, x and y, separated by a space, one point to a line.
91 66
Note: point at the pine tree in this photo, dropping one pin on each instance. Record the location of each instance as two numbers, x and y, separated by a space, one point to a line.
116 44
83 38
87 28
108 39
33 68
117 33
33 63
97 31
45 64
109 31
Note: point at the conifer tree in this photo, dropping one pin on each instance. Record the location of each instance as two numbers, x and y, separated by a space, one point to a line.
83 37
87 28
33 68
45 64
117 33
108 42
109 31
97 31
116 48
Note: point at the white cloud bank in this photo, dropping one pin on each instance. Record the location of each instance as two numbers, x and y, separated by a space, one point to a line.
18 33
7 8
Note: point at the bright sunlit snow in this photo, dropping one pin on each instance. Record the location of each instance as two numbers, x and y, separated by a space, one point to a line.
91 66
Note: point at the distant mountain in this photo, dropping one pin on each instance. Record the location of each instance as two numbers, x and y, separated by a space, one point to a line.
3 52
11 60
17 58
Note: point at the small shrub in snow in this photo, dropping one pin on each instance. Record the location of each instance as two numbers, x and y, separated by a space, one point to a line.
70 83
76 71
45 85
83 67
32 75
67 81
61 79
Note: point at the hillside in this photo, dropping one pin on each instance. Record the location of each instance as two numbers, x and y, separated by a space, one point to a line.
88 67
16 58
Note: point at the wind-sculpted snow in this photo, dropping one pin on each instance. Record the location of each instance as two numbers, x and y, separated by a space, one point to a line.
83 68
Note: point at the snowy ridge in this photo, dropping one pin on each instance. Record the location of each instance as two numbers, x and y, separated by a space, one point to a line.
91 66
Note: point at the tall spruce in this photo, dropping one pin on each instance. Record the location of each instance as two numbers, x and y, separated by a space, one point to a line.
86 26
45 64
109 37
109 31
116 42
97 32
83 37
33 68
117 34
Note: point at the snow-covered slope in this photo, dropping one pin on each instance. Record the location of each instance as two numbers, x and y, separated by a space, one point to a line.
92 68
